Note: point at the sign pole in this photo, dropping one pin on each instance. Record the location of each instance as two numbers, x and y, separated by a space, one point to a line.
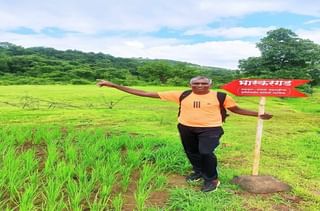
256 159
263 88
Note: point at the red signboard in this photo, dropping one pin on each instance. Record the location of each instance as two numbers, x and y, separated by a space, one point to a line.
265 87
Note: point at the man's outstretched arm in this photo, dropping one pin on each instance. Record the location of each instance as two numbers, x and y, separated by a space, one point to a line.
246 112
128 90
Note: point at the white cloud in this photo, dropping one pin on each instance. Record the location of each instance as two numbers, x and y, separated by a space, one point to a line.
312 21
98 15
97 23
234 32
135 44
313 35
220 54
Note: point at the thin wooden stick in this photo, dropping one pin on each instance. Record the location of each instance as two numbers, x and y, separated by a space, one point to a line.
256 159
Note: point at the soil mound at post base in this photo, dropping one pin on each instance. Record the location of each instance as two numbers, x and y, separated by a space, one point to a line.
260 184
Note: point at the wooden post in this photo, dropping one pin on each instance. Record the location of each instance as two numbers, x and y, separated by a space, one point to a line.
256 160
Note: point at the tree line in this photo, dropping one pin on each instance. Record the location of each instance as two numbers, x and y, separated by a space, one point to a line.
283 55
39 65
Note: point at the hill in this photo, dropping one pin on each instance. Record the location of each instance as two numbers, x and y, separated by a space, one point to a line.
41 65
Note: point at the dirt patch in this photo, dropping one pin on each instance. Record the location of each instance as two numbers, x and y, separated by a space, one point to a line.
123 150
176 181
64 132
129 203
41 154
24 147
40 151
158 199
123 153
291 198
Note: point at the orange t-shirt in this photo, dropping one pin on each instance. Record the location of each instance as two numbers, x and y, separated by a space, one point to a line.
199 110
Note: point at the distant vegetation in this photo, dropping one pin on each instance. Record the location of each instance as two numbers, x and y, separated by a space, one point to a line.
41 65
283 55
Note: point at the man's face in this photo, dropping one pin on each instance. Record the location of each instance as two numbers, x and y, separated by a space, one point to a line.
200 86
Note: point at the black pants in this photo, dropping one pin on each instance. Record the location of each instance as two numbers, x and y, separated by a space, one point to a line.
199 144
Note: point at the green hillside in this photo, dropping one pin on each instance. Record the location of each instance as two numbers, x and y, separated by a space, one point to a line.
40 65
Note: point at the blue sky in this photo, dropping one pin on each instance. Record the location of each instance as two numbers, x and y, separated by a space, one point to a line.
204 32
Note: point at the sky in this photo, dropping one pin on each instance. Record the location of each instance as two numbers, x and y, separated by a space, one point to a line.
204 32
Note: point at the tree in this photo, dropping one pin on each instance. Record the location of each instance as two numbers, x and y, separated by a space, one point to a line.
4 68
156 71
283 55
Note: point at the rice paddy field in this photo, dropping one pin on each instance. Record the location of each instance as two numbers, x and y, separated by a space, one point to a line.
66 147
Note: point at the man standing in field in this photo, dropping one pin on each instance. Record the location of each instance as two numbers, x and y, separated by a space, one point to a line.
200 124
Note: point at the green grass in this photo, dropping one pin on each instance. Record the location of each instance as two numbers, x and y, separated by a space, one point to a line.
65 148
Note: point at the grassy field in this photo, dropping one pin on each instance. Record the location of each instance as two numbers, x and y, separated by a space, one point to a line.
90 148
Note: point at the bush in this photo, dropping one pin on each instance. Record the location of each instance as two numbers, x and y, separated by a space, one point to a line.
80 81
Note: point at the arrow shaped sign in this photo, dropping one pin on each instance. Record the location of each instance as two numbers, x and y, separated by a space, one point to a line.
265 87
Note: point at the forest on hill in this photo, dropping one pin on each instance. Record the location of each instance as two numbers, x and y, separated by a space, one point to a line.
40 65
283 55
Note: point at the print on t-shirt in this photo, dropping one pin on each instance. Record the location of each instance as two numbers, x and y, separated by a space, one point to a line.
196 104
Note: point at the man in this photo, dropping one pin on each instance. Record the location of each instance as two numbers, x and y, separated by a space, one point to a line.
199 125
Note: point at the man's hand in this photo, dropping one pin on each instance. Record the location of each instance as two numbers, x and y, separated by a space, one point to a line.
102 83
266 116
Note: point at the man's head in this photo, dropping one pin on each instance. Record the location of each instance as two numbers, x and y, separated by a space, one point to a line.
200 84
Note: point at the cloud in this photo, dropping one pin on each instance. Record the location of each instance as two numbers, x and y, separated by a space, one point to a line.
140 15
220 54
232 33
135 44
312 21
124 28
313 34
